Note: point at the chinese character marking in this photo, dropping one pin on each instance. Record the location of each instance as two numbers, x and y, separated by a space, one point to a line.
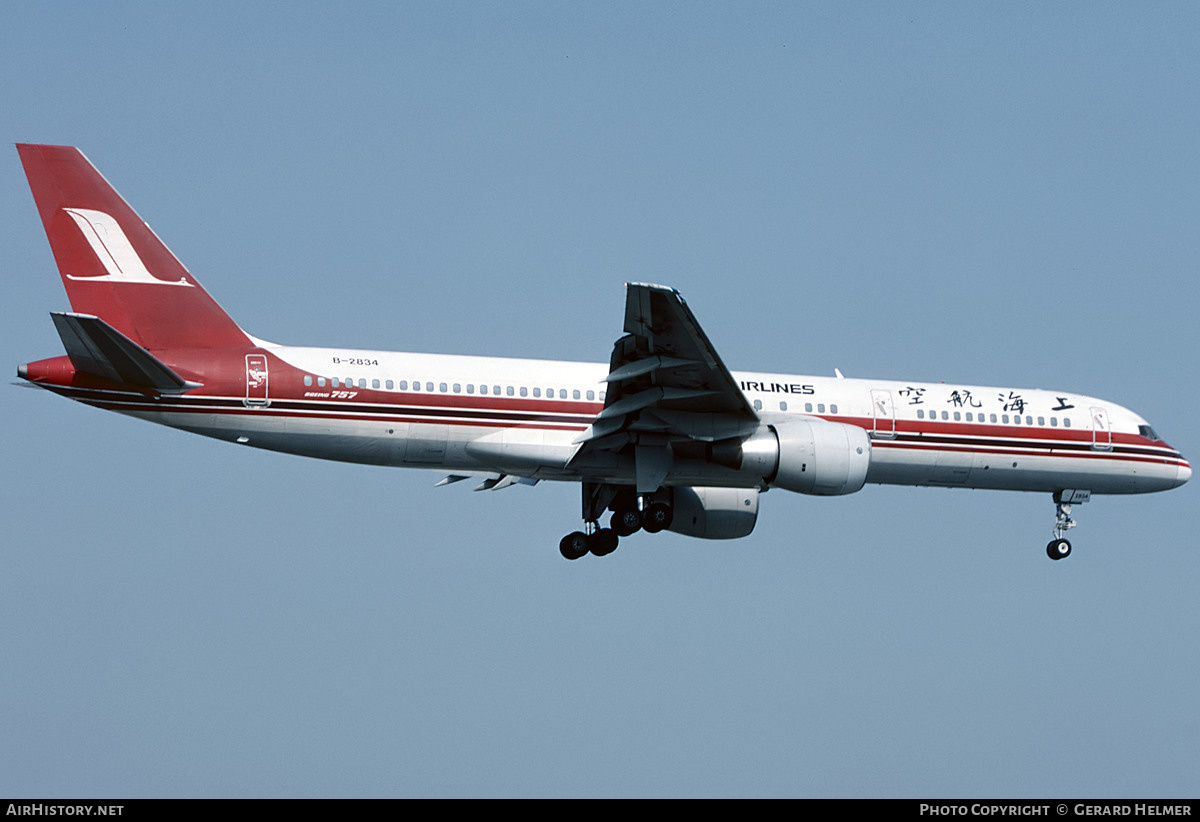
960 398
1063 405
1014 402
914 395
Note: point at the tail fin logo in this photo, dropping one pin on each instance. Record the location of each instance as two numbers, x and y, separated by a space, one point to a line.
113 249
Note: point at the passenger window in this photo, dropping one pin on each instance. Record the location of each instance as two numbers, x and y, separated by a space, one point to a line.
1054 422
457 388
782 405
1004 418
403 385
362 383
994 418
482 389
307 379
537 392
320 382
496 390
920 413
334 382
575 394
591 395
442 387
833 409
1066 422
758 405
374 383
808 407
470 388
945 415
957 416
1041 421
389 385
820 408
429 386
1029 420
510 391
524 391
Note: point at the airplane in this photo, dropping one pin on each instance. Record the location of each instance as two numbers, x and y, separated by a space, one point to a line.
664 436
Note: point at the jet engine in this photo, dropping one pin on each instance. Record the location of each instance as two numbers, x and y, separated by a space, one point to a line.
808 456
714 513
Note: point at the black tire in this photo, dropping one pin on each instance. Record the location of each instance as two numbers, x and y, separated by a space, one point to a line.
1058 549
604 542
626 521
574 545
658 517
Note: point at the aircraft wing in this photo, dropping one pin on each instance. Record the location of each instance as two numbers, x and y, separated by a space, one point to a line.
666 383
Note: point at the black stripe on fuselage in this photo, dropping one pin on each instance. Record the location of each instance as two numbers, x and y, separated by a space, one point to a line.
122 401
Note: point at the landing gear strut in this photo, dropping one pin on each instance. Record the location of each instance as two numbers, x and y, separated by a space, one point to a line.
1059 547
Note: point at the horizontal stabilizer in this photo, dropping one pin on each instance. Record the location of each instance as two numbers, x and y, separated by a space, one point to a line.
95 347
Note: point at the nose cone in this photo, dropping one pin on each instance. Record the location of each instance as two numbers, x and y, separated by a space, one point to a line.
1184 474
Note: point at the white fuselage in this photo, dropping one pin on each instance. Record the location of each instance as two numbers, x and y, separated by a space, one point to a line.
524 417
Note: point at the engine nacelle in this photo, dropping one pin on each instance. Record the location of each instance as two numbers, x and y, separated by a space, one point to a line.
714 513
808 456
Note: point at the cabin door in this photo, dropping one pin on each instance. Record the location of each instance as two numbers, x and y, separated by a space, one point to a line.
1101 429
256 380
883 414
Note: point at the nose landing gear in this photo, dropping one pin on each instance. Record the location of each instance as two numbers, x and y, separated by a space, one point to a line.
1060 548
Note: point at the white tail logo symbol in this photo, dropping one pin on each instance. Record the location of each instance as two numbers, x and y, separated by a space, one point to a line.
113 249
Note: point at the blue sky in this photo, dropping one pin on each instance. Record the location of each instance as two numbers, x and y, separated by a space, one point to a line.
997 194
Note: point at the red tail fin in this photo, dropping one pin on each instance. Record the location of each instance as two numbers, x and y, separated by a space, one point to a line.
113 265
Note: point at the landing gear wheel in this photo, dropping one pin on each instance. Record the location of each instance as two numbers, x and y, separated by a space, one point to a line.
626 521
658 517
604 542
574 545
1058 549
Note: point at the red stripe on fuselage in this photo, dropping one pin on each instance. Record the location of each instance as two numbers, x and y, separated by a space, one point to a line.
477 412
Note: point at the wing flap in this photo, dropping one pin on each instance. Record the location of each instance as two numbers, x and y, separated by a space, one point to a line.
639 367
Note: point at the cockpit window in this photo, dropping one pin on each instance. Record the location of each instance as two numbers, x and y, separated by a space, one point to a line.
1148 432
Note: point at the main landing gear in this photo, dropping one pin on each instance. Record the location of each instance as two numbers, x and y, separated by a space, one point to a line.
1059 547
631 513
598 541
